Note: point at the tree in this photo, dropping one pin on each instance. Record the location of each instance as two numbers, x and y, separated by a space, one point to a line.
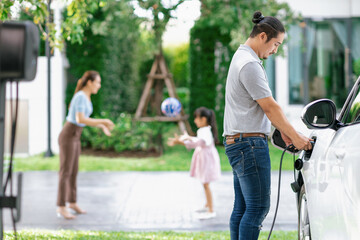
161 16
178 60
110 46
233 17
72 28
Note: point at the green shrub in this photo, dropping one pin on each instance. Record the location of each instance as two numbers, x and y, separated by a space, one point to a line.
127 135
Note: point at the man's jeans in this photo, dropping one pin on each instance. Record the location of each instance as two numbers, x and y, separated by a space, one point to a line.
250 161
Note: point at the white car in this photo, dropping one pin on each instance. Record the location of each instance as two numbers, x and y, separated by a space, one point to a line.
328 177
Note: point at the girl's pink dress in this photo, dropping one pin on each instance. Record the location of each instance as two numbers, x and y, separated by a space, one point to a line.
205 163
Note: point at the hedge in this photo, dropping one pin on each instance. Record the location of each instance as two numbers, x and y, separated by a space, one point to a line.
210 57
113 54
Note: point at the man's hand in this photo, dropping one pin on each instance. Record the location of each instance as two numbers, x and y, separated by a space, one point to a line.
286 139
277 117
302 143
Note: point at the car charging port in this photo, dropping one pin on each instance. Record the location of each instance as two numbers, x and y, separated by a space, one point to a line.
309 152
298 164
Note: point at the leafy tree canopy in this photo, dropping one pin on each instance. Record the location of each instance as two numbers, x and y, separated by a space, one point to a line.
72 28
234 16
161 16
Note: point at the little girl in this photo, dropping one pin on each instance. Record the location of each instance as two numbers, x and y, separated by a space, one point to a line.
205 163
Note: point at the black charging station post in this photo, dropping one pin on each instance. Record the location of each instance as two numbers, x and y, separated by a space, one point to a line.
2 144
12 202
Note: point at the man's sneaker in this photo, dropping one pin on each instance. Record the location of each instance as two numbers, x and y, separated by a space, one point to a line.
206 215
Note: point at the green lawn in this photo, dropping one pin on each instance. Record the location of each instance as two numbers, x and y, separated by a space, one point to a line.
95 235
174 159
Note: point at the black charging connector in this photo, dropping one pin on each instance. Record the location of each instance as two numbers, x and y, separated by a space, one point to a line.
309 152
299 163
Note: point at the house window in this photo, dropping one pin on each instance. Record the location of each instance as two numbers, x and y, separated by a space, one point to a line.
327 61
317 60
355 47
296 87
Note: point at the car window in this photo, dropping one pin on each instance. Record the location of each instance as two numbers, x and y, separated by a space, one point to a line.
353 112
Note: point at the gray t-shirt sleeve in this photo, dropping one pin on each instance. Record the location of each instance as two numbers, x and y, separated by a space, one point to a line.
253 78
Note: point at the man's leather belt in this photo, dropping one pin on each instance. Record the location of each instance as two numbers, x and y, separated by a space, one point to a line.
230 139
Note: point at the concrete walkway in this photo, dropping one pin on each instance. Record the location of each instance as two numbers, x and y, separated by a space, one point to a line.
149 201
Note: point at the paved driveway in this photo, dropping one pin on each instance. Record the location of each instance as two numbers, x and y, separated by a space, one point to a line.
132 201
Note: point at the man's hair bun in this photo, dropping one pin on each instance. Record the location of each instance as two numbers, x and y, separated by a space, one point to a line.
258 17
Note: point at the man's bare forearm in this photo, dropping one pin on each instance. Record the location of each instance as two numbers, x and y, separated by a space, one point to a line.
277 117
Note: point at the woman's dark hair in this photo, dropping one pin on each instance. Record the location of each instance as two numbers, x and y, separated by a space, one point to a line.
210 118
269 25
88 75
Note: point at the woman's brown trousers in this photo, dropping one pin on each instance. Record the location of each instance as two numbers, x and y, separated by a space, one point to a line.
70 148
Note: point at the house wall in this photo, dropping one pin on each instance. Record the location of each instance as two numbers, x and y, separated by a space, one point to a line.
325 8
34 96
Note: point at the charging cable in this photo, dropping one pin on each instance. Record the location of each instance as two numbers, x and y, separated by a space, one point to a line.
291 146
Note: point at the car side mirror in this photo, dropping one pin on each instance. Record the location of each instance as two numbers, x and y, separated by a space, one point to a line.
320 114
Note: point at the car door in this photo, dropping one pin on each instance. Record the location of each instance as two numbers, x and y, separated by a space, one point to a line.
331 176
344 153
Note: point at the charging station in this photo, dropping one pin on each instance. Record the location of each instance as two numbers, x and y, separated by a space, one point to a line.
19 48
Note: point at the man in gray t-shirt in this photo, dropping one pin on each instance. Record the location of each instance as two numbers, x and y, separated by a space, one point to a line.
246 83
250 110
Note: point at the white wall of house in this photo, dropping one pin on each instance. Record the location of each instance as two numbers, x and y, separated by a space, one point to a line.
35 93
325 8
